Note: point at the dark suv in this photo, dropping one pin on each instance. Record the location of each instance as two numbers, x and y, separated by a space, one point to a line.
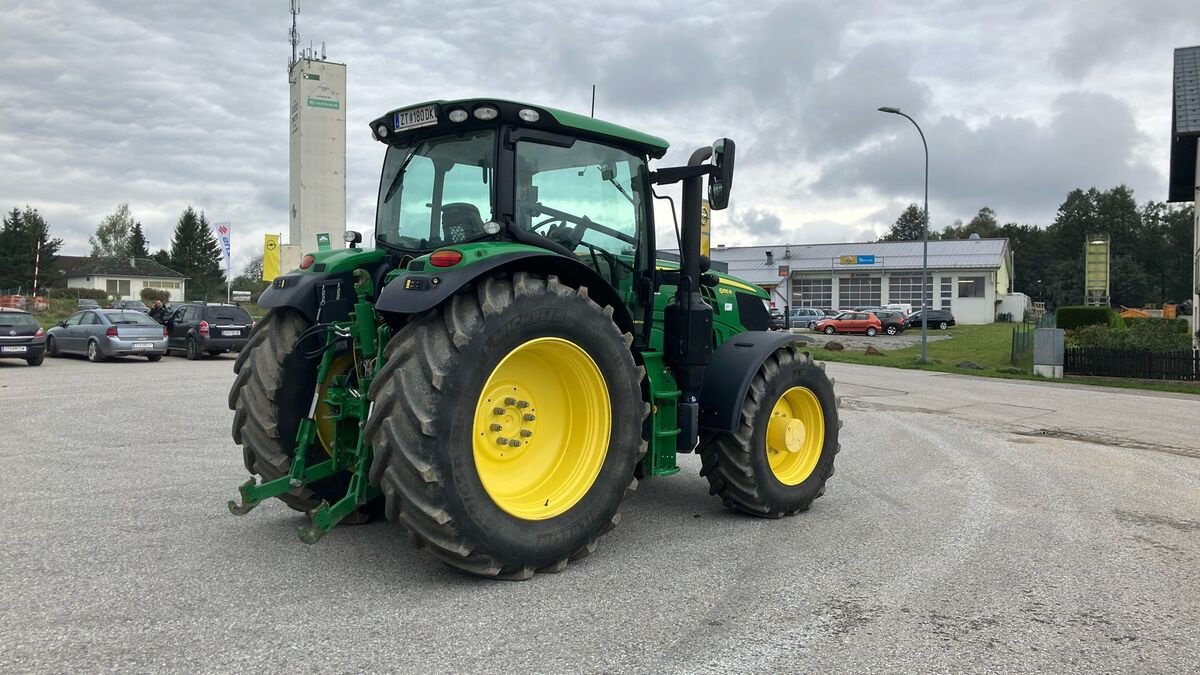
196 327
937 318
893 322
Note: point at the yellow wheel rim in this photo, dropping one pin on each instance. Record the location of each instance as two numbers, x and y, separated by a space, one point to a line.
795 435
340 366
541 429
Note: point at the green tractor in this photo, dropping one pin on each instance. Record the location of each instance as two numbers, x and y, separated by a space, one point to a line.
498 372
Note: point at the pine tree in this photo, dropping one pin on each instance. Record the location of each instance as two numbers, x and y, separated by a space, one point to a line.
196 254
138 247
25 242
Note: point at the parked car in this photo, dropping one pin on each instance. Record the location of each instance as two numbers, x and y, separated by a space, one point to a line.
893 322
805 317
103 333
851 322
197 328
137 305
21 337
938 318
830 313
86 303
777 320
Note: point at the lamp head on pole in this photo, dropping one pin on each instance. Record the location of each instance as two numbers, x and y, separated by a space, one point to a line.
889 109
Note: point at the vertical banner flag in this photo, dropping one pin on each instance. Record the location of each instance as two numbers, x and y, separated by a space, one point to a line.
223 233
270 266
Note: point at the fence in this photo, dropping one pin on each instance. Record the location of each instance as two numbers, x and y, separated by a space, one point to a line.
1183 364
1022 341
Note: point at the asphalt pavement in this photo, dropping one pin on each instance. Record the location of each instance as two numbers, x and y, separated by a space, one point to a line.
973 525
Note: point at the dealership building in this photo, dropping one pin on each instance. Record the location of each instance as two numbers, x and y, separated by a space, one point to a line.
970 277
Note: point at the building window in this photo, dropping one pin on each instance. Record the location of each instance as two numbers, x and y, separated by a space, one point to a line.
905 289
118 288
812 293
859 292
971 287
947 291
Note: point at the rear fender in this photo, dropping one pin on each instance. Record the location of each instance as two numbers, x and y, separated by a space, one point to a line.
415 292
319 297
727 377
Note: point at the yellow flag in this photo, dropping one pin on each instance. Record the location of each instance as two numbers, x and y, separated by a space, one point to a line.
270 267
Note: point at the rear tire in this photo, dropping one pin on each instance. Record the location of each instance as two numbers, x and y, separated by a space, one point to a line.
191 350
871 332
216 352
747 471
943 325
93 352
446 478
271 393
891 330
36 360
154 357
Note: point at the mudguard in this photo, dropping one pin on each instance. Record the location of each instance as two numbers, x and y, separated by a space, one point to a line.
304 292
727 377
415 291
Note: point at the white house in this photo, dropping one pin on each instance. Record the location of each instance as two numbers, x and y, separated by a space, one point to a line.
969 277
124 278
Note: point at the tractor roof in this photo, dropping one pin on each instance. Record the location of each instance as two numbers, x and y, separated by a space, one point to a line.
548 119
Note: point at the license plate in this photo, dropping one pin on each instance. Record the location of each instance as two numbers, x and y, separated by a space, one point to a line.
143 345
231 333
416 118
14 349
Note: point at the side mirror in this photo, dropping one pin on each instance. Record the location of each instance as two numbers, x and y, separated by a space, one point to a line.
720 182
62 324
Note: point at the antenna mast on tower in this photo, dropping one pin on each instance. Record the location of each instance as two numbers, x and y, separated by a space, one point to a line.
295 34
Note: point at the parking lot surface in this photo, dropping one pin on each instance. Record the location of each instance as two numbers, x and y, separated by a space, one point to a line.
973 525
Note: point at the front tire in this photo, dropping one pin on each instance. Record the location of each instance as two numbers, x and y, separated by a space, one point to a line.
51 347
829 330
781 455
535 362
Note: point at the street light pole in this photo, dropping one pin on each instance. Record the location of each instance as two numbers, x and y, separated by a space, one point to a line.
925 285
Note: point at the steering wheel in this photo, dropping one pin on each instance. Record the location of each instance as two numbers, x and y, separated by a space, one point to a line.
562 232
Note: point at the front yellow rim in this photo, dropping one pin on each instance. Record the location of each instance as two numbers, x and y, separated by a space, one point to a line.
541 428
795 436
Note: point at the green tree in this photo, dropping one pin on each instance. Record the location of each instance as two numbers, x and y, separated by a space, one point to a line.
909 226
137 242
112 234
984 224
251 278
26 244
196 254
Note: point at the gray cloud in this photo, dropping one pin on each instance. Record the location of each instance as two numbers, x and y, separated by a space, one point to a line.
169 104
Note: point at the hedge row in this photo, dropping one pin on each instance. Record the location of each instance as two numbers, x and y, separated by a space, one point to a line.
76 293
1173 325
1070 318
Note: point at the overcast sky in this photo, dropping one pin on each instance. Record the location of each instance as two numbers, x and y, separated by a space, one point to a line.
169 104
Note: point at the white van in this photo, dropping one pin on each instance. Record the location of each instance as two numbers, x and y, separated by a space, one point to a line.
903 307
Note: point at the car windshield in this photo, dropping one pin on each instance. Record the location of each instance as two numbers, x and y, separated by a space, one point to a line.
229 315
16 319
130 318
437 192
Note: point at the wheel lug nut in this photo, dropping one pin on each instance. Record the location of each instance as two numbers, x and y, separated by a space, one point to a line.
502 441
498 411
515 443
525 433
529 417
496 427
510 401
522 404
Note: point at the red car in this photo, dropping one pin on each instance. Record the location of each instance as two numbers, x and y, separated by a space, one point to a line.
851 322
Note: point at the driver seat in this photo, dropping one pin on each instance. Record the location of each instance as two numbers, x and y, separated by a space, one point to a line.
460 222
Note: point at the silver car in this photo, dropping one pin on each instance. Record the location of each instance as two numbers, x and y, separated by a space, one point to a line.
102 333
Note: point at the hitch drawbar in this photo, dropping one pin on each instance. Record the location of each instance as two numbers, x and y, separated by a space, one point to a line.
346 399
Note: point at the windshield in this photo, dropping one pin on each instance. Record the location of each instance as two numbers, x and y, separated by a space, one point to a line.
437 192
126 318
16 319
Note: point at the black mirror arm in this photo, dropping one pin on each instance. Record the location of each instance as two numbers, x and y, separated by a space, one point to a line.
674 174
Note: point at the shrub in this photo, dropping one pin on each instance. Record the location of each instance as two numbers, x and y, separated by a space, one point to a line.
1153 337
1177 325
149 295
77 293
1070 318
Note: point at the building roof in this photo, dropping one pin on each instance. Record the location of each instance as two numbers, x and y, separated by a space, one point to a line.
123 267
1185 125
751 262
